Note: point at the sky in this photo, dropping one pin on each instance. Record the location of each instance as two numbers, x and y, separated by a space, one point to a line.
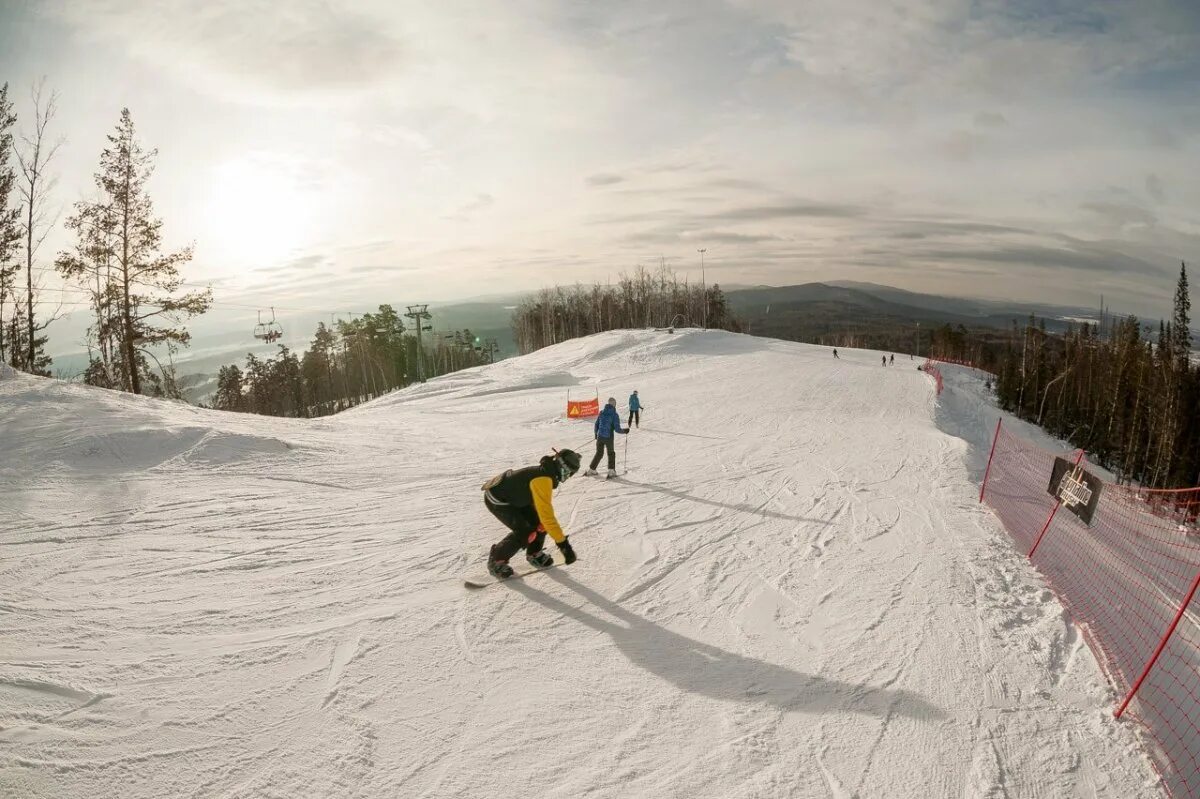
329 155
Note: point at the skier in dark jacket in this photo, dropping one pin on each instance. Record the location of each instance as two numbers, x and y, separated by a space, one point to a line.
635 411
607 424
520 499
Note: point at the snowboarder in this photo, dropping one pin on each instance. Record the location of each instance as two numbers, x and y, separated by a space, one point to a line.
635 410
607 423
835 353
520 499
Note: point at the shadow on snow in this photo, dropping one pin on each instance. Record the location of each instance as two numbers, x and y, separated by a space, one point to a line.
699 668
757 510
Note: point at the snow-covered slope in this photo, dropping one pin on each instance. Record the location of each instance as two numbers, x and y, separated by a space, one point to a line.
791 593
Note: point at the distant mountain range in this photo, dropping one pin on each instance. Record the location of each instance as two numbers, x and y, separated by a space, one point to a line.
224 336
848 301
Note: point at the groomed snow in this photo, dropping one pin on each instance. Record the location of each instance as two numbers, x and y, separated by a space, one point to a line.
792 593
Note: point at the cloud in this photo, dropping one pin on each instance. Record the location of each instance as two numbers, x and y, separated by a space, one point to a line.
963 144
480 202
990 119
1155 188
1121 214
375 245
739 184
815 137
385 268
297 47
790 210
301 263
1077 256
668 235
950 227
604 179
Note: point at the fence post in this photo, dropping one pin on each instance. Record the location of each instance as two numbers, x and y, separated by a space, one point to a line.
1057 504
988 470
1161 645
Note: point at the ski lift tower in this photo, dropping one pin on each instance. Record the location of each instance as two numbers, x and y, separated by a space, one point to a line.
419 314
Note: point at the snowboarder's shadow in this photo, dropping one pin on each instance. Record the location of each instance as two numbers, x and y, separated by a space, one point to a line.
700 668
741 507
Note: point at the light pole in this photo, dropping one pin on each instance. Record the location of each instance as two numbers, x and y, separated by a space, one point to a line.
703 289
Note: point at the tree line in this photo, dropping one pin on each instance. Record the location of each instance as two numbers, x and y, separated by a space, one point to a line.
1130 396
345 365
134 288
639 300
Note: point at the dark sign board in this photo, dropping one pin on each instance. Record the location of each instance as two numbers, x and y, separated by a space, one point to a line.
1078 490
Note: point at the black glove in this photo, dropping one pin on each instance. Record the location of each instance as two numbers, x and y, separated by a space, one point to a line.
567 550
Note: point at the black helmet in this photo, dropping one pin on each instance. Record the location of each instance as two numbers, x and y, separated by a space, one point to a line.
568 462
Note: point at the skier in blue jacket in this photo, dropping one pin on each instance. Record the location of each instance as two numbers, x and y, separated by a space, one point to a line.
635 411
607 424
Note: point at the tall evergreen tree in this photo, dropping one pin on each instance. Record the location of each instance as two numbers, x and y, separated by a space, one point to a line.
146 279
1181 321
229 390
90 264
317 369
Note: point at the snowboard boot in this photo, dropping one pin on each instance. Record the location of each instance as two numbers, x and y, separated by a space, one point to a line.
498 568
541 559
590 473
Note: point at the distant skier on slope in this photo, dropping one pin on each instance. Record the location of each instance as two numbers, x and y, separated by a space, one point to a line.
607 423
883 360
835 353
892 359
635 410
520 499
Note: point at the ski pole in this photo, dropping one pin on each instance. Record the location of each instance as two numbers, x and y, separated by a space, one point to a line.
625 457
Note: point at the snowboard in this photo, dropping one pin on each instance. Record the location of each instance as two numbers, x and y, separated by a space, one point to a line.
485 579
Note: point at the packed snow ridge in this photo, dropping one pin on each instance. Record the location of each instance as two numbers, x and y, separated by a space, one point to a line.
791 592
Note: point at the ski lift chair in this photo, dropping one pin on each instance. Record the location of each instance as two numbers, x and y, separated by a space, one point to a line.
268 331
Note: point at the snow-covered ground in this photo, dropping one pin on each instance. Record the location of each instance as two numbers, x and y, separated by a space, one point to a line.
792 592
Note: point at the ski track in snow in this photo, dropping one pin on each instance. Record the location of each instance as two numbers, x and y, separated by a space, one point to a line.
791 592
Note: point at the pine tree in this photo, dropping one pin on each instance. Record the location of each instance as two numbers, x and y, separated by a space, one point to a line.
146 313
90 265
1186 399
1181 321
229 390
317 370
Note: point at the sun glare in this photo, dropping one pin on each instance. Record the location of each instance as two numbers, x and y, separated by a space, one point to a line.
259 213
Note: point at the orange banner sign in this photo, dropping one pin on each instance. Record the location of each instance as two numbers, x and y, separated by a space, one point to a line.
581 409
